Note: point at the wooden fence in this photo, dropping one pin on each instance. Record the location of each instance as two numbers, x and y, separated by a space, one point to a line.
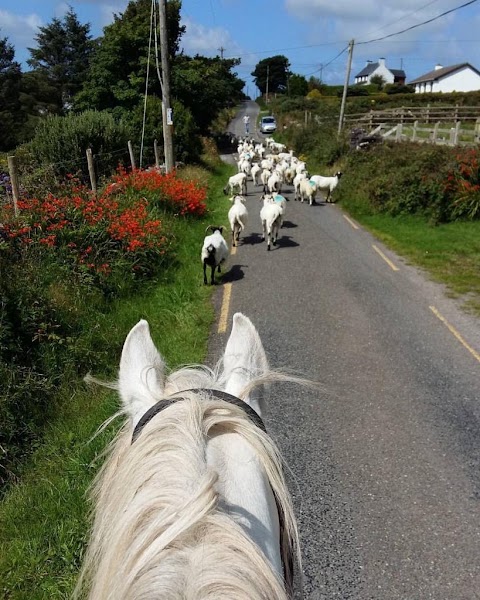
431 133
450 125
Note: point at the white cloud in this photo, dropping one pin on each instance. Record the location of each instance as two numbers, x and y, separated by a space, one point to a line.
347 19
199 39
19 29
109 8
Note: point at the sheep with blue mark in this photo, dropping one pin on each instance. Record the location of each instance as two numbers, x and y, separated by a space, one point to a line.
326 184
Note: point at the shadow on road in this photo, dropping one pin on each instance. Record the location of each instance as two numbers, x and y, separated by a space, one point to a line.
253 238
285 241
234 274
289 225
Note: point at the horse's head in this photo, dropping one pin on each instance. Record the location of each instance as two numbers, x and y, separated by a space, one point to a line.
142 378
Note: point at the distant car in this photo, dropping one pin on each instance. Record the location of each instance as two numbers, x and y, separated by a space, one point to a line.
268 125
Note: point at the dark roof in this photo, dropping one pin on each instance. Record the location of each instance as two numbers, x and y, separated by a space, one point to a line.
443 72
367 70
370 68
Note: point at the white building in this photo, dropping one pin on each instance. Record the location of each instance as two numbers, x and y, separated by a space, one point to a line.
457 78
379 68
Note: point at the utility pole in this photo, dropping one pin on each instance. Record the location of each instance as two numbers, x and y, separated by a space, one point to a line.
266 92
345 87
167 117
221 49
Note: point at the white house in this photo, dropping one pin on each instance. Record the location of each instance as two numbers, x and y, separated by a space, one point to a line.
379 68
457 78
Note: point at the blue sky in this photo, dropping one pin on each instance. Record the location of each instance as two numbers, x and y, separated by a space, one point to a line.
310 33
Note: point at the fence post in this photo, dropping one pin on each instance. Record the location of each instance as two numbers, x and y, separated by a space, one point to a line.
456 113
435 132
402 115
398 135
157 154
132 157
455 133
476 131
91 171
370 119
414 134
427 116
12 169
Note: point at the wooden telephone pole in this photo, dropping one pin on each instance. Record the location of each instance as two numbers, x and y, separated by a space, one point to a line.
167 113
345 87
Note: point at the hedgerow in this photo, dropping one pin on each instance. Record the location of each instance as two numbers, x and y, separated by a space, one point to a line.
64 260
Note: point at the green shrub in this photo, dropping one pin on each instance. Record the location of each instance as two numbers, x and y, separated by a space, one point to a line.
61 142
438 182
186 140
65 259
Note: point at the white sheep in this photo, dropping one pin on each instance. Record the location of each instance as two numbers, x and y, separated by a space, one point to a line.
327 184
296 184
271 217
214 252
281 201
264 176
236 182
237 216
308 190
255 173
274 183
288 175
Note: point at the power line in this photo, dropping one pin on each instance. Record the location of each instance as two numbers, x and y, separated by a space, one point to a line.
447 12
285 49
325 65
402 18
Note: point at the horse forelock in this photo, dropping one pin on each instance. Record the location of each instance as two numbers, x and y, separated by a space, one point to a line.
158 526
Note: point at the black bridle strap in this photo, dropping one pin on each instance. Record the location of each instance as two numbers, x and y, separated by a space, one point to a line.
219 394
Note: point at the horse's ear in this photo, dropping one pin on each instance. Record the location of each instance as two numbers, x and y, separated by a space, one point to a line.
244 359
142 372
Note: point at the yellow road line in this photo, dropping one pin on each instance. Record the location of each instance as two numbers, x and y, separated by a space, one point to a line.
387 260
227 293
354 225
452 329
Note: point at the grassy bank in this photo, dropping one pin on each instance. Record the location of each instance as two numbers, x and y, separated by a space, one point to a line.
449 253
43 518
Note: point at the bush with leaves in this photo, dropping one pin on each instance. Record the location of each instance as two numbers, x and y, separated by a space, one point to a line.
61 142
437 182
64 259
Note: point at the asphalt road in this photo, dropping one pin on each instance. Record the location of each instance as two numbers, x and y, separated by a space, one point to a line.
385 458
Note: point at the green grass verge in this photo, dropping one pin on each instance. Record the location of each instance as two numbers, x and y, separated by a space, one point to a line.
43 519
450 252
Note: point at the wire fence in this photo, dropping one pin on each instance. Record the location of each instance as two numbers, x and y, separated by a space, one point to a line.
93 170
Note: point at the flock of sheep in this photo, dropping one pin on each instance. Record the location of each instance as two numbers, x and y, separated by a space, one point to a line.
269 165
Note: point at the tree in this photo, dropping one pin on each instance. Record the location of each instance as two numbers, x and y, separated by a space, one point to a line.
117 79
62 56
206 86
297 85
275 71
11 116
119 64
379 81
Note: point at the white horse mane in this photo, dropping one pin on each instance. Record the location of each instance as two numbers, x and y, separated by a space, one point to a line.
161 529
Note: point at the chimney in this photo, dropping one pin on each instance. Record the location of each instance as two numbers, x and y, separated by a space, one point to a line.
438 66
369 62
381 62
